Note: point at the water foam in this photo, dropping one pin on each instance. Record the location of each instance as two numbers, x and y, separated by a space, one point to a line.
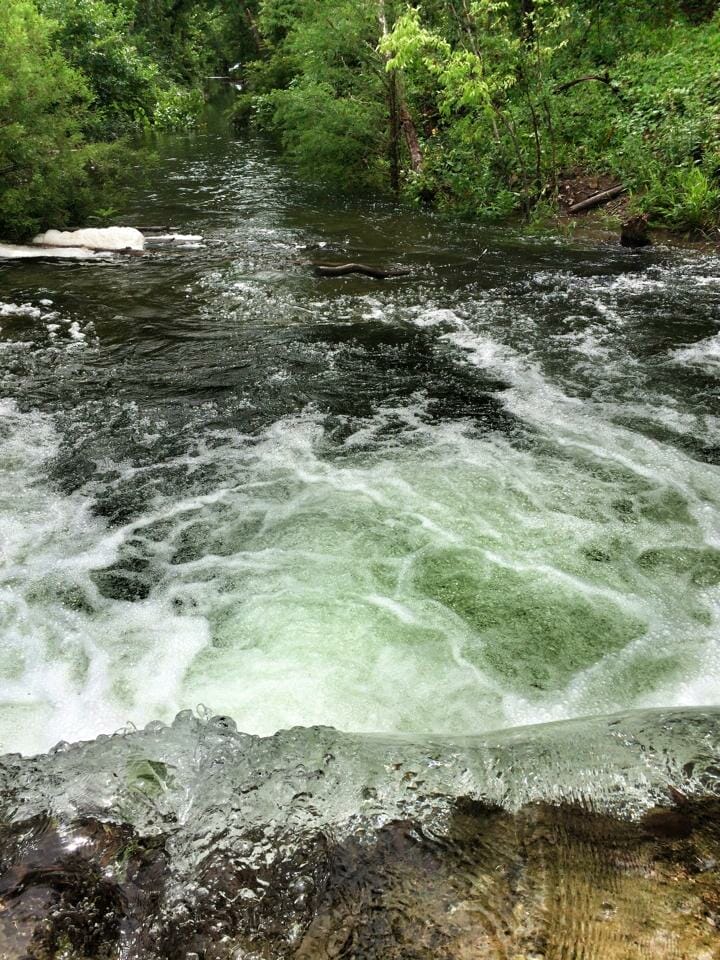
68 658
705 354
426 572
575 575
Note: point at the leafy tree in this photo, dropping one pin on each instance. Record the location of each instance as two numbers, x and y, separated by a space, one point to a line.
48 172
330 112
482 106
94 37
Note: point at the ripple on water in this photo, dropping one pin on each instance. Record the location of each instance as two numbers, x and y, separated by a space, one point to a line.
285 581
478 497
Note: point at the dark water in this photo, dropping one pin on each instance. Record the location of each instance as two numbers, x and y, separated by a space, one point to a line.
479 496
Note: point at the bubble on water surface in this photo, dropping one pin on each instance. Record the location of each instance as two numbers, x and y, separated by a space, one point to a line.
288 586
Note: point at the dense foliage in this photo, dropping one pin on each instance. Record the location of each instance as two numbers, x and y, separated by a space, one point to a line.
492 103
482 106
78 75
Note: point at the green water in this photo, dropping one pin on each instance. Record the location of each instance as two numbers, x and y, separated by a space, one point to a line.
481 496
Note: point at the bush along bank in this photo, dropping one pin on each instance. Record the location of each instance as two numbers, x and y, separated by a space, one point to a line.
492 107
79 78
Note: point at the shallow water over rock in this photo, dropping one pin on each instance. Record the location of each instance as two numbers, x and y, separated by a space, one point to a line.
592 838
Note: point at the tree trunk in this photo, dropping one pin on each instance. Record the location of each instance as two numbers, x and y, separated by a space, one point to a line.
394 133
400 118
527 9
253 28
635 232
393 107
411 138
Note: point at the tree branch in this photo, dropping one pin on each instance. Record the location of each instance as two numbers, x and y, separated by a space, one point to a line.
598 78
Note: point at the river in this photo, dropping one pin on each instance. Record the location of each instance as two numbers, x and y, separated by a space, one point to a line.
409 520
480 496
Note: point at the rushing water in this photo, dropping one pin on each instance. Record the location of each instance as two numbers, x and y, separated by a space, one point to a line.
480 496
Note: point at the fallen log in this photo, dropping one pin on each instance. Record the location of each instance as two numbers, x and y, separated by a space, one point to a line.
343 269
598 198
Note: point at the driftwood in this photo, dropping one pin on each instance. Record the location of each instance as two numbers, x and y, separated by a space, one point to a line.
597 199
343 269
411 138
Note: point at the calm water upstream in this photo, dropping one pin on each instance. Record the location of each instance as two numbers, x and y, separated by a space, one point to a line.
482 496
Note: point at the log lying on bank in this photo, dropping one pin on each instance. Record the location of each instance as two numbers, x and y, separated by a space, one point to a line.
597 199
343 269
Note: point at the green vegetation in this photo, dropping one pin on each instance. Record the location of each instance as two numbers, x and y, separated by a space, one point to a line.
78 76
485 107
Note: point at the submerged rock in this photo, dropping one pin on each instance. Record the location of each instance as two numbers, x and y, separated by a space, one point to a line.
550 882
594 839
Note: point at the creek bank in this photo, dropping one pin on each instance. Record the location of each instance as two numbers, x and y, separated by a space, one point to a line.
616 217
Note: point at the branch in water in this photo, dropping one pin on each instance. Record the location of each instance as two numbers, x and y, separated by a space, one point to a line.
343 269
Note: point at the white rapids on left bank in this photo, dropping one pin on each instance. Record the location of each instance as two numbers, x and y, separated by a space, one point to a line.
91 243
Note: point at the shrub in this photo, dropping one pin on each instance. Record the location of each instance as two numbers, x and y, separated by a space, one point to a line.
93 36
48 173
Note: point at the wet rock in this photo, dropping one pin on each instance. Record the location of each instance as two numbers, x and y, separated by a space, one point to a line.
77 890
634 232
548 881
